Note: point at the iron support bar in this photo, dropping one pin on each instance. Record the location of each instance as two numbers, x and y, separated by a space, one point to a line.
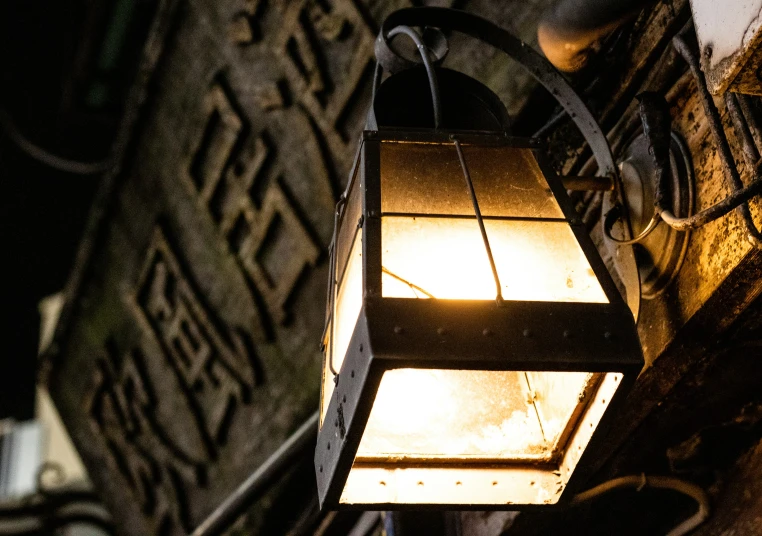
260 480
478 213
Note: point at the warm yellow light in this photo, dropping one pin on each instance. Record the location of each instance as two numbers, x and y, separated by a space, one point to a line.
348 305
464 414
448 435
445 258
476 437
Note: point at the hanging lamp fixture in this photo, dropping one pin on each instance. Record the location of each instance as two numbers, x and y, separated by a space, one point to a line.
476 346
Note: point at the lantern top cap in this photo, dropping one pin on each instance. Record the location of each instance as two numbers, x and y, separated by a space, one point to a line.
404 101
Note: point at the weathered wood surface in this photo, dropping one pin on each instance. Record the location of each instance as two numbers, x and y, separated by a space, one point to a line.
738 512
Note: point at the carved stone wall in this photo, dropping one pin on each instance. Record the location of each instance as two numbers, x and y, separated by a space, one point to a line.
188 349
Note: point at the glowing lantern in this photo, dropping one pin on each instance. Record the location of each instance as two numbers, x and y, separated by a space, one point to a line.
475 341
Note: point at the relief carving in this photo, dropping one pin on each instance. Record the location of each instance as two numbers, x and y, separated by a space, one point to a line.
314 34
123 411
237 177
244 28
215 368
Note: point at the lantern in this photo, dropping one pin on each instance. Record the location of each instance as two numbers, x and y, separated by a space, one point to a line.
475 342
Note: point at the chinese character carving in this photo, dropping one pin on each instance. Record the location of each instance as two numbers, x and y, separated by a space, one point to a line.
244 29
327 53
156 468
238 180
216 371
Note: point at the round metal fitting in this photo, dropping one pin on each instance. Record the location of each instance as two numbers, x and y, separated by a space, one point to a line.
659 255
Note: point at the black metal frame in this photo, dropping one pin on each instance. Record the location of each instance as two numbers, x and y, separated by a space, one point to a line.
406 333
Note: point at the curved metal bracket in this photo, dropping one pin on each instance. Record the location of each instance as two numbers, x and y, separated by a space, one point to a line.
547 75
394 62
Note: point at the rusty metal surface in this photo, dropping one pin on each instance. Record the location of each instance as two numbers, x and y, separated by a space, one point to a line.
188 348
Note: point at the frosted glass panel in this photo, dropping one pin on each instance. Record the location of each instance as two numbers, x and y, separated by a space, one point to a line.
424 257
498 455
348 305
483 415
427 179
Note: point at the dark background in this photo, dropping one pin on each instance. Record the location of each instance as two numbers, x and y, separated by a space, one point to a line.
65 68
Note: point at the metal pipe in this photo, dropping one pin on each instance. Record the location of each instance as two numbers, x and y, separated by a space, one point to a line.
260 480
569 32
723 150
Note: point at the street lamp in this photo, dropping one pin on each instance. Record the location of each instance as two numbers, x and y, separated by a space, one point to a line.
475 342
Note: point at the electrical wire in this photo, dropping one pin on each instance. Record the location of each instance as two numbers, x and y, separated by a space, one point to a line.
639 482
433 82
614 214
47 158
738 199
740 194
